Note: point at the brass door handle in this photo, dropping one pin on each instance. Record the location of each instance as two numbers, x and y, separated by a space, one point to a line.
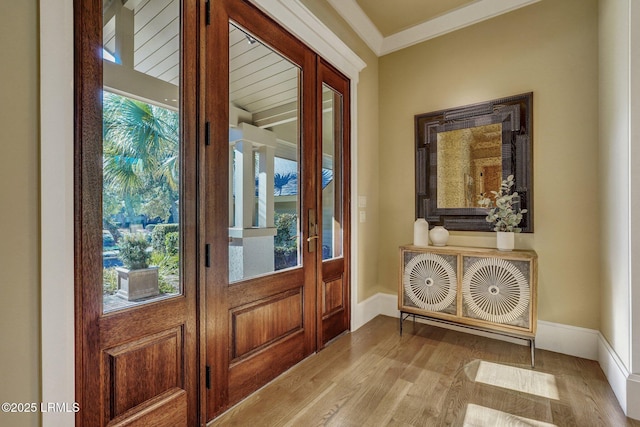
313 229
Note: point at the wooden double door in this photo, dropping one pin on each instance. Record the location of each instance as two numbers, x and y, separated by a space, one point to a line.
236 135
278 286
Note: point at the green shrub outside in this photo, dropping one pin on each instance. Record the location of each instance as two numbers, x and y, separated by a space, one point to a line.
172 243
165 286
133 251
285 257
170 264
109 281
159 233
285 241
168 268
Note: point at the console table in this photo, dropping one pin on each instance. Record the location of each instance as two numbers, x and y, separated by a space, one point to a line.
476 288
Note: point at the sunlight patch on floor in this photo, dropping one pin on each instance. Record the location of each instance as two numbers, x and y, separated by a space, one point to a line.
480 416
518 379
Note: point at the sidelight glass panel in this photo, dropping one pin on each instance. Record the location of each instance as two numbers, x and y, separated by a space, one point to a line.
332 213
264 171
141 252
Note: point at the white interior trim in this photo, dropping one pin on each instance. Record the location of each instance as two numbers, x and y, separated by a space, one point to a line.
634 186
632 409
379 303
351 11
56 204
625 385
614 370
566 339
473 13
354 204
303 24
631 401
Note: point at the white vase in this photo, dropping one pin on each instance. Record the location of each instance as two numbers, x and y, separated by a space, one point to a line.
439 235
505 240
421 232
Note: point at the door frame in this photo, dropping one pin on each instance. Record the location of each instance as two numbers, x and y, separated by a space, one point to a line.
333 283
56 175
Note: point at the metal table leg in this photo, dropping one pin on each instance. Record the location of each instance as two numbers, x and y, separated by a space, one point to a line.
533 352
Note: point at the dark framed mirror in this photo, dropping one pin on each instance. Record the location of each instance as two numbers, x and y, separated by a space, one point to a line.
464 152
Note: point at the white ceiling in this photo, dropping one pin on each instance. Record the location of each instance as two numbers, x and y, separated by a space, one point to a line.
143 36
156 38
387 26
261 82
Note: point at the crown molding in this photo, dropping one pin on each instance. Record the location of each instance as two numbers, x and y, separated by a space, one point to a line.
478 11
360 22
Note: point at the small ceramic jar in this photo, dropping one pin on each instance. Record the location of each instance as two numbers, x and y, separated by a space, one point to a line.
439 236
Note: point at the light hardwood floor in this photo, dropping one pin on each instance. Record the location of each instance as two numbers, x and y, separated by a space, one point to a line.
431 377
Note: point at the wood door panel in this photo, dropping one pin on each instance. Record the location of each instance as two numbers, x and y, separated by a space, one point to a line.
167 410
252 373
255 326
332 296
334 299
127 325
254 289
333 325
142 370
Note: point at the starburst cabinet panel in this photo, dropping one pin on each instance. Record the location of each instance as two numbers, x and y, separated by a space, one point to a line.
478 287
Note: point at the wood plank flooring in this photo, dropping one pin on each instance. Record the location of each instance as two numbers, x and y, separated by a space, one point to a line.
431 377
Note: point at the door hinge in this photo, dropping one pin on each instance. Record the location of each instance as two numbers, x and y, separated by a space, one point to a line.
207 255
207 133
208 376
208 12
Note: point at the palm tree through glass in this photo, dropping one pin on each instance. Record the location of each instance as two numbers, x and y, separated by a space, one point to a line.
141 177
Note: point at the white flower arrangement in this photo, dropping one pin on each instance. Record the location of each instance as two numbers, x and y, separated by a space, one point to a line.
502 211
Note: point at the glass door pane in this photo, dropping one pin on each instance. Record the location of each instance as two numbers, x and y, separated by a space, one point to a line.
332 169
141 153
264 194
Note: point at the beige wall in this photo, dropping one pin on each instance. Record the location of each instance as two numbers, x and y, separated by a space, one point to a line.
551 49
368 155
19 211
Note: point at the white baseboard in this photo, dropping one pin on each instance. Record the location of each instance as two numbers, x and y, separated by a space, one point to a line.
625 385
366 310
566 339
571 340
632 409
615 371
